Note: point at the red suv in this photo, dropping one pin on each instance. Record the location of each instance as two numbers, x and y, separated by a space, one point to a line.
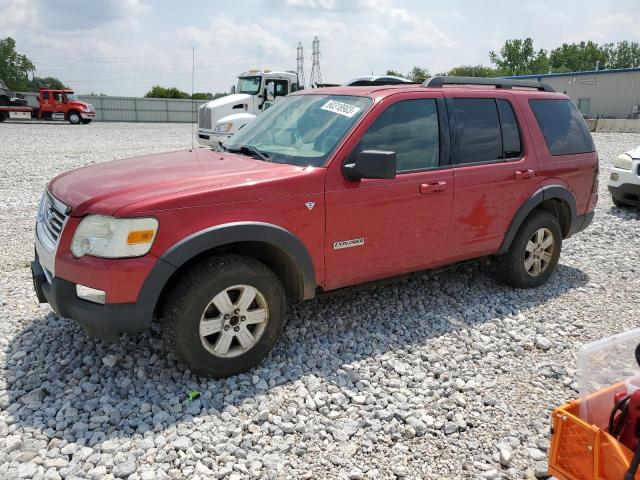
328 188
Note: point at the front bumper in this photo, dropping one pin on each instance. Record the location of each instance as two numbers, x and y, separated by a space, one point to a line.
88 115
211 139
628 193
61 295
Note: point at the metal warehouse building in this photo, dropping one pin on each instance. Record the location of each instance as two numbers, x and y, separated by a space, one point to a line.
599 93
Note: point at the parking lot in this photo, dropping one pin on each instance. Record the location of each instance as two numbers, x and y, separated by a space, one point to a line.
445 374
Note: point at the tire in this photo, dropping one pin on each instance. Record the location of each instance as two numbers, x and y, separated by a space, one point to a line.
520 267
1 116
225 280
86 122
619 203
74 118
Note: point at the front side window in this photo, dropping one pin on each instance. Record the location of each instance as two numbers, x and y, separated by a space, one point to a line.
410 129
280 87
45 95
302 129
477 130
57 96
562 126
249 85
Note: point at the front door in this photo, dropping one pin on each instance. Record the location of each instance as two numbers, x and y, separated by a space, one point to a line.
378 228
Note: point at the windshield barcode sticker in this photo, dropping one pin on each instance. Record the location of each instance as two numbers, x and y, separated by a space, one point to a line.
340 108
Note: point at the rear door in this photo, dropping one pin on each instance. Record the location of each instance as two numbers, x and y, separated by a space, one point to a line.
378 228
494 171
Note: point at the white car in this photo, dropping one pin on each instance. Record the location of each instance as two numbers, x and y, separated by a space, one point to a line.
624 182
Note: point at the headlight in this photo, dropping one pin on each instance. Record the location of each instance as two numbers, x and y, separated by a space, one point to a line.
108 237
623 162
223 127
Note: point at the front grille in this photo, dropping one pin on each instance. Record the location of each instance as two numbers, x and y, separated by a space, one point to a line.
51 218
204 117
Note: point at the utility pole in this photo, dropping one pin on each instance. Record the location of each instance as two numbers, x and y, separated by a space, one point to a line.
300 66
316 75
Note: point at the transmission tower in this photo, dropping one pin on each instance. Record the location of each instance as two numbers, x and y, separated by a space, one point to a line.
316 76
300 65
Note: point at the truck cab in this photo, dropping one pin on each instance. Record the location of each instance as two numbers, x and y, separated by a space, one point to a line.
63 104
255 92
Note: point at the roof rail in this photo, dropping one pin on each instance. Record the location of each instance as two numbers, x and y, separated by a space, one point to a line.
437 82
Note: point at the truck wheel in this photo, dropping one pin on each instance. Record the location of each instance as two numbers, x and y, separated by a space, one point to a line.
224 315
86 122
534 253
1 116
74 118
619 203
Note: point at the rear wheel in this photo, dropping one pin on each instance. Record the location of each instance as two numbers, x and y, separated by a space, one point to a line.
74 118
534 253
224 315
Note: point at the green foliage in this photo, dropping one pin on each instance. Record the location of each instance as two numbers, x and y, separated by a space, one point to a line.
575 57
162 92
14 67
472 71
47 82
417 74
393 73
518 57
623 55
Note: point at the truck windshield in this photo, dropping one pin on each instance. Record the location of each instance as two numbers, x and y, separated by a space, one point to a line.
302 129
71 96
250 85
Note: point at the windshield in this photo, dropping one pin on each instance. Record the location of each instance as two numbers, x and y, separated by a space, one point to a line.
71 96
250 85
302 129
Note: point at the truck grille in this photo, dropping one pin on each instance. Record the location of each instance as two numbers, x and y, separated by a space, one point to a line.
52 217
204 117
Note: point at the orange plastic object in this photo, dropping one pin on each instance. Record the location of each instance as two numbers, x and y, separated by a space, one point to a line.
582 451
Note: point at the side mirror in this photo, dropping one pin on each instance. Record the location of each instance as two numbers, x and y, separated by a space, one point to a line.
372 164
271 92
232 90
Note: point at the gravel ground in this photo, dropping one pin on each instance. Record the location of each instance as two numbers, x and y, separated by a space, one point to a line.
442 375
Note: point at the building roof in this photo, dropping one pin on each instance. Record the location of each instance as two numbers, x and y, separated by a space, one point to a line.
575 74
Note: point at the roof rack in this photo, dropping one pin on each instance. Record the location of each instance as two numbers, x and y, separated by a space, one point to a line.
438 82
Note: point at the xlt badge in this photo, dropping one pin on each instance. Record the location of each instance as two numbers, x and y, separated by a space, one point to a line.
356 242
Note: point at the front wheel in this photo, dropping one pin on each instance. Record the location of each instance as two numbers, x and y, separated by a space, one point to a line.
224 315
74 118
534 253
619 203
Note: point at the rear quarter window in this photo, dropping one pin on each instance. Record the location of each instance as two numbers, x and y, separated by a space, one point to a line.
562 126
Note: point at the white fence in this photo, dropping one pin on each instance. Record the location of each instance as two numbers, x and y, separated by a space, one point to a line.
135 109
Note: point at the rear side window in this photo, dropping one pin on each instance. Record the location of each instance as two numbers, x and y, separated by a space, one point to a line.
477 130
510 133
45 95
409 128
562 126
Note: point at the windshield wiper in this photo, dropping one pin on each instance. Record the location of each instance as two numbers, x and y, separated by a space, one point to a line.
250 150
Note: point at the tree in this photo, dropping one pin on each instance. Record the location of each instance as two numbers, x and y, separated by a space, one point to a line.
158 91
577 57
14 67
417 74
518 57
623 55
48 82
472 71
393 73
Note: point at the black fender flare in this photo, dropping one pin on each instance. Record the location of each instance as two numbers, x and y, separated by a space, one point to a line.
224 234
545 193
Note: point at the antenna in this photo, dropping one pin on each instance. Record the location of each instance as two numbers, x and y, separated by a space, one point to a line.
300 65
193 69
316 76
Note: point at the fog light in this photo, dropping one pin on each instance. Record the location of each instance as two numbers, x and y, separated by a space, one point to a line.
615 176
91 294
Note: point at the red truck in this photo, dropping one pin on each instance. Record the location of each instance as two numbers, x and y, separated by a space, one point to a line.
328 188
53 104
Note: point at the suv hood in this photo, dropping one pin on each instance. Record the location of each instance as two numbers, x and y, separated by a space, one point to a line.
106 187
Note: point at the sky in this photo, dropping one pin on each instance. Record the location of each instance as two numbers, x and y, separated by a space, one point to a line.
123 47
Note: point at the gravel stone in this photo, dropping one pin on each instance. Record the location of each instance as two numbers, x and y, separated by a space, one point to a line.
367 382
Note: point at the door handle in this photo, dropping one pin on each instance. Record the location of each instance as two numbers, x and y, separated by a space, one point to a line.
524 174
434 187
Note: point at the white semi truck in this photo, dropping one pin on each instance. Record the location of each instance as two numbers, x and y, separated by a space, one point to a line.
255 92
